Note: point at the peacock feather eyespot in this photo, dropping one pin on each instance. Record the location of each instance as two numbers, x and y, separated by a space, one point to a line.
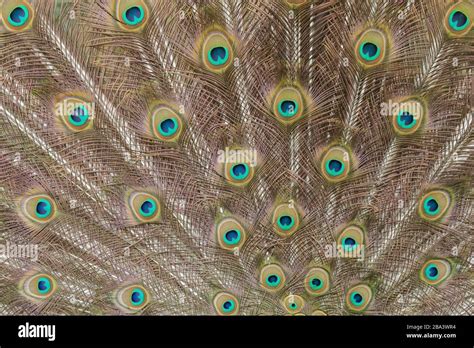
272 280
39 208
39 286
317 281
239 168
434 204
144 207
131 14
147 208
238 174
458 20
406 120
285 222
334 167
272 277
349 243
371 47
18 15
336 164
79 116
285 219
232 237
75 111
132 298
288 104
218 55
217 51
168 127
287 108
230 234
358 298
435 271
239 171
369 51
137 297
408 117
293 304
319 312
226 304
166 123
351 240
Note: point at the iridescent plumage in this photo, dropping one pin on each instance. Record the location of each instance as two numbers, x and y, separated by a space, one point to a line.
236 157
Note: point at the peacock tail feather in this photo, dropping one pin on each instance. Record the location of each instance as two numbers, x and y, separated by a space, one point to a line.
236 157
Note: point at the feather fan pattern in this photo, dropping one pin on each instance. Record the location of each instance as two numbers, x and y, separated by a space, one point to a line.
236 157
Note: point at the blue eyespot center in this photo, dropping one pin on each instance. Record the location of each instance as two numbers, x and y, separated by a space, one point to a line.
239 171
316 283
232 237
79 116
273 280
406 120
432 272
44 285
349 243
458 20
218 55
18 16
43 208
137 297
334 167
287 108
357 299
148 207
293 305
285 222
133 15
228 306
168 127
369 51
431 206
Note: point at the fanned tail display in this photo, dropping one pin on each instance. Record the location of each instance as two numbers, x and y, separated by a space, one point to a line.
236 157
